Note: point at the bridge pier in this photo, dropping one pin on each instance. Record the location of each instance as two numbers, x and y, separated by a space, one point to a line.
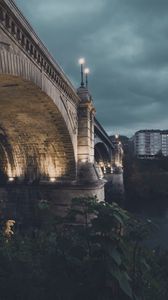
88 177
20 201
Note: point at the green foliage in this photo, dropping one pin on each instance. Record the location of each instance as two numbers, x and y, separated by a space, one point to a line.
102 227
93 253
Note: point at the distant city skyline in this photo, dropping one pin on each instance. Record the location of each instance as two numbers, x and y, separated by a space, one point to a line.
126 48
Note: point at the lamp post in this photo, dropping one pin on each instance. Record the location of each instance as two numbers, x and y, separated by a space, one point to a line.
86 71
81 62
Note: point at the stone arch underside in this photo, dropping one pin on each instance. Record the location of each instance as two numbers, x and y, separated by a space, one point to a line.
102 153
34 140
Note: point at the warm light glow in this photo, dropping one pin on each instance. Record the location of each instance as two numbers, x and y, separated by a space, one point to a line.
101 164
52 179
50 167
81 61
86 70
11 179
8 231
84 160
15 170
118 164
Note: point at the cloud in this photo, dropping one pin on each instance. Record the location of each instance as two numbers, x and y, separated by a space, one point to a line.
125 44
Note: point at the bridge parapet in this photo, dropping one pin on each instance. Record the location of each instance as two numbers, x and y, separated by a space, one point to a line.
20 31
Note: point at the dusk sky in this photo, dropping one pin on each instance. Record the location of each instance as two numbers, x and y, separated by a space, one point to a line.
125 44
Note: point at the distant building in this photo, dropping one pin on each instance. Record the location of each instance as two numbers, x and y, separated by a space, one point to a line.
164 142
150 143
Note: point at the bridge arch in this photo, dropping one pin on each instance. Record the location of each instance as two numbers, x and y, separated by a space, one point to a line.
102 155
23 54
18 61
35 143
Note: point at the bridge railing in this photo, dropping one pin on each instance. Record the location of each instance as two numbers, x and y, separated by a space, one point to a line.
20 31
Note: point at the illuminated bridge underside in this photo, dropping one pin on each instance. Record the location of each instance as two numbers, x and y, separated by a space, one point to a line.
34 139
102 154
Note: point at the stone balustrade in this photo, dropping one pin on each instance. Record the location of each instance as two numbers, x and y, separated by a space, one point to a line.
12 21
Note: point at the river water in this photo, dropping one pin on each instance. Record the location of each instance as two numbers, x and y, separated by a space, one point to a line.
114 191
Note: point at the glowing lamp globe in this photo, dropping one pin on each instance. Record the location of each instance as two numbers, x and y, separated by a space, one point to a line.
86 71
81 61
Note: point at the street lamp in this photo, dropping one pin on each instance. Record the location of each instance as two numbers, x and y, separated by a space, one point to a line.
86 71
81 62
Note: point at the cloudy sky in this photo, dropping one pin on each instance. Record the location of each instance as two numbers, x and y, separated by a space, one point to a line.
125 44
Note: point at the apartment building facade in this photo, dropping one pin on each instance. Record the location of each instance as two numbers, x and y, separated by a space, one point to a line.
150 143
164 142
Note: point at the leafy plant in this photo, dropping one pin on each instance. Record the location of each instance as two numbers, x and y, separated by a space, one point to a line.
96 252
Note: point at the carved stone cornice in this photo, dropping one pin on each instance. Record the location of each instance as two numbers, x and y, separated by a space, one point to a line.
20 31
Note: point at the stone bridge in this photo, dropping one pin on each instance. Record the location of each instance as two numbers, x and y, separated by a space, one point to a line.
49 136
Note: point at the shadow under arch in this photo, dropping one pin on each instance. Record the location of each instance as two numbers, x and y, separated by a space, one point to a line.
35 143
101 153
